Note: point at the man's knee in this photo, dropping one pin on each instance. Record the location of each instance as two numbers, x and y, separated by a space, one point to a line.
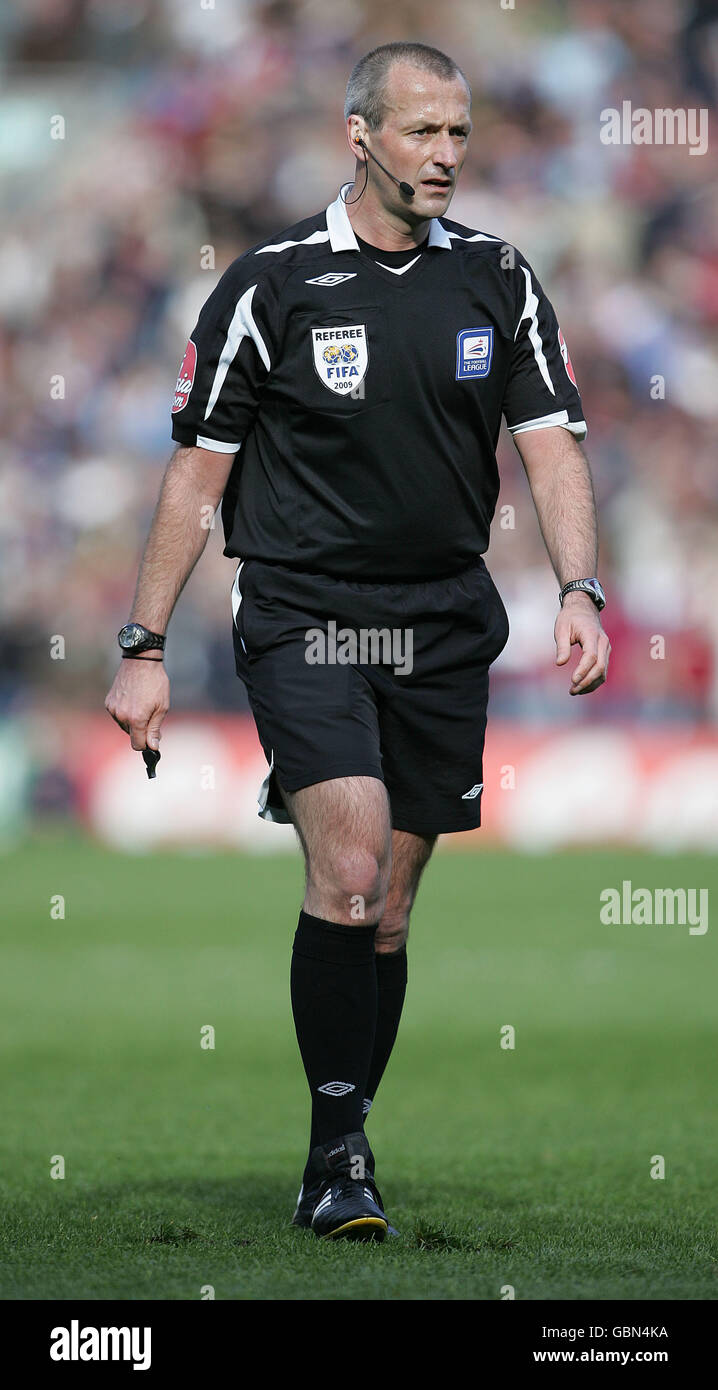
410 854
355 881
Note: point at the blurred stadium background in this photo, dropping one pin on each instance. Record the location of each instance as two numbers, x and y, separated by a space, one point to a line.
189 128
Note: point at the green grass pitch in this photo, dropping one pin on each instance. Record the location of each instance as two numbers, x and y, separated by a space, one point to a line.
528 1168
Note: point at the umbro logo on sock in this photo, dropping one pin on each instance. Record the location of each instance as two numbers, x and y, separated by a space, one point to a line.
336 1088
475 790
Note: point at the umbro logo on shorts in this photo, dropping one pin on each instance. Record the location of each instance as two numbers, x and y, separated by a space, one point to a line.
336 1088
332 277
475 791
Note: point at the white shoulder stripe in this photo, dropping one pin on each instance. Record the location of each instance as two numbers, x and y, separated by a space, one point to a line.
242 326
284 245
477 236
530 311
236 598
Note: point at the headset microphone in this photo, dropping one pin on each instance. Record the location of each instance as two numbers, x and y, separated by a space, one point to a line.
404 187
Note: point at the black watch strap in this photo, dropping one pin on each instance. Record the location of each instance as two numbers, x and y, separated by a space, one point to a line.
591 587
135 638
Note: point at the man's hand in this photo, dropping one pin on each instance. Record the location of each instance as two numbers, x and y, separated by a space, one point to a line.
579 621
192 488
561 486
139 700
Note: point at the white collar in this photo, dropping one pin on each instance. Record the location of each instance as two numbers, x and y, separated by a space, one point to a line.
341 232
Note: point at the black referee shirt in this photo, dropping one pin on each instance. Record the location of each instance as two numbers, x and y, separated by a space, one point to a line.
363 400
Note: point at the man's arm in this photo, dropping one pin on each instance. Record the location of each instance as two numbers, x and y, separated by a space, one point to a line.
192 488
561 486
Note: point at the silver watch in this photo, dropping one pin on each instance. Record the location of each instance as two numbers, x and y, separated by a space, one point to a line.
585 586
133 637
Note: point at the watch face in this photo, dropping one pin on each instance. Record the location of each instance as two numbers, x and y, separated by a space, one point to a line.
597 592
130 636
588 586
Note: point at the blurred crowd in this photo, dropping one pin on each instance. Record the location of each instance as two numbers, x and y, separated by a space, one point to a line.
188 126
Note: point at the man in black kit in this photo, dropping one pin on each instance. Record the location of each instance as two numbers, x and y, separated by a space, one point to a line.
342 394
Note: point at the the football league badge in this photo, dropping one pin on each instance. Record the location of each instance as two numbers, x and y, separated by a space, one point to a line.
474 348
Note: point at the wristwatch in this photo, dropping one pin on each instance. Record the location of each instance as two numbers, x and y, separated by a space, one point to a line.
134 638
585 586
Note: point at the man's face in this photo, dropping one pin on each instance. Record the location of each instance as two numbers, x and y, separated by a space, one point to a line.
423 139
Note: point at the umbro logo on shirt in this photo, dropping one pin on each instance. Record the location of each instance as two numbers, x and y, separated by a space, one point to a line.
332 277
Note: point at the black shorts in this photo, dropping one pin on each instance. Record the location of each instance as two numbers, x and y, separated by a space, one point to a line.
371 680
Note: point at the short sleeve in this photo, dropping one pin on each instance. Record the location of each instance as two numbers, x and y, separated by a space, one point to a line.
541 390
226 364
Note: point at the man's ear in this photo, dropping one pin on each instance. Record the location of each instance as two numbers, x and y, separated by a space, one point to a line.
355 133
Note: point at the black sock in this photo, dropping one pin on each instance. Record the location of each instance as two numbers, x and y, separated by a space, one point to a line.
391 976
334 1002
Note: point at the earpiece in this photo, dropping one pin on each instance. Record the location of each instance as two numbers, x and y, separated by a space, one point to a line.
404 187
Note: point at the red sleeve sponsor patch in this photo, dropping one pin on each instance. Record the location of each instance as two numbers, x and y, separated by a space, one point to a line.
566 359
185 378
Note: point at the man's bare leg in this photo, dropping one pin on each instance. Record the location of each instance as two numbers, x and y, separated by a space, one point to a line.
359 870
345 998
344 826
410 855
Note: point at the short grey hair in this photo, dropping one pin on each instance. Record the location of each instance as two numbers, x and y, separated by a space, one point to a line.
366 89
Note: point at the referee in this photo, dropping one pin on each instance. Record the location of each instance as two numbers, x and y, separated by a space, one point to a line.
342 396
